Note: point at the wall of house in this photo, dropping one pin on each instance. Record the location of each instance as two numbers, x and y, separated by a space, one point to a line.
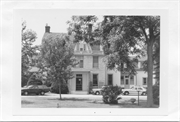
139 78
116 76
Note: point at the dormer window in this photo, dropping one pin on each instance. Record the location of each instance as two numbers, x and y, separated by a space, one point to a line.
81 49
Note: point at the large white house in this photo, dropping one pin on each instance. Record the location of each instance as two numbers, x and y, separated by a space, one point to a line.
92 70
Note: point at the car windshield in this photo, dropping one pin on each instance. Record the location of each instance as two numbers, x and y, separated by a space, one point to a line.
30 86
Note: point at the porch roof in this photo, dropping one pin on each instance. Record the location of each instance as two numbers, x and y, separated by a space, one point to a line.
80 70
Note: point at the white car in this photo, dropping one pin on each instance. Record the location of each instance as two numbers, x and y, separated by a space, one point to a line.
134 91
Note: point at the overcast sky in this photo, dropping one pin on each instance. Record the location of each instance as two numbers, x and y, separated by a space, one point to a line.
37 20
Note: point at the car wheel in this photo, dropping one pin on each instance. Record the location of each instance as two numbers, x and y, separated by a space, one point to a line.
97 93
42 93
26 93
143 93
126 93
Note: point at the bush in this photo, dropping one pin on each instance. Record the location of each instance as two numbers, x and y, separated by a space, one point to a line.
156 94
55 88
33 80
110 94
90 87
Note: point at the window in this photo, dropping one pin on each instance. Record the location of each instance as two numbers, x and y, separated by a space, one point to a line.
77 46
132 80
110 79
80 59
126 76
95 79
81 49
144 81
122 80
81 64
95 62
84 47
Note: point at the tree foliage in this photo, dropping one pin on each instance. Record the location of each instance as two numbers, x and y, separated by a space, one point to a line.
57 59
27 52
81 27
122 36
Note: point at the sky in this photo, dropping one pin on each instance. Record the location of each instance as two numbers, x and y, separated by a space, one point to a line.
36 20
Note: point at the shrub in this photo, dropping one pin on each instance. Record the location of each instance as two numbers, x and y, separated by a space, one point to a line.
90 87
156 94
33 80
110 94
55 88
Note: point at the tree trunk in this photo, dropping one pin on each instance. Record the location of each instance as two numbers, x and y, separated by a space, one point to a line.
60 91
150 74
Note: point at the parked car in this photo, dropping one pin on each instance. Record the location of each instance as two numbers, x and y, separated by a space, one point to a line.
134 91
98 91
35 89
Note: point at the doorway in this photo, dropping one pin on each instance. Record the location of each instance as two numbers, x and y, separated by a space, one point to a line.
127 86
79 82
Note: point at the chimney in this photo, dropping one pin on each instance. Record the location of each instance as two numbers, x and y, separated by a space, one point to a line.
47 29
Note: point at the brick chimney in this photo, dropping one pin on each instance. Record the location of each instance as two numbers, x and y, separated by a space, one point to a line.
47 29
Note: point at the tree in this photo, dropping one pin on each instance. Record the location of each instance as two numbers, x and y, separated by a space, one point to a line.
57 59
122 36
27 52
81 27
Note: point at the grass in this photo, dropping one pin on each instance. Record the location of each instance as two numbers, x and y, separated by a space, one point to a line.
54 102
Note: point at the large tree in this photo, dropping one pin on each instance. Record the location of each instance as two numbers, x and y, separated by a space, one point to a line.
28 51
126 34
122 36
57 59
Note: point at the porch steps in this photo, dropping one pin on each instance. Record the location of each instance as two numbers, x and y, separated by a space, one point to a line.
79 92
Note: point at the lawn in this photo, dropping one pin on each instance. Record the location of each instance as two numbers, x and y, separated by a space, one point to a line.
71 102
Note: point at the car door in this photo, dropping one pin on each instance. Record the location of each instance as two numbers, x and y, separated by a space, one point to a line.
34 89
140 90
133 91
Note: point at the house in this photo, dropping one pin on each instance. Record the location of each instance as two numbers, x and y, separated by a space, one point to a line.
92 70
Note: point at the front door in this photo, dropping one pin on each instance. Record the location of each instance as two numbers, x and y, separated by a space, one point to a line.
126 82
79 82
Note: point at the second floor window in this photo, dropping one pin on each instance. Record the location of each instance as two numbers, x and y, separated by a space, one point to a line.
95 62
81 64
80 59
122 80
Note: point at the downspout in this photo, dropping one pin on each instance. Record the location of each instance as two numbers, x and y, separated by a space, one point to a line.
105 75
136 79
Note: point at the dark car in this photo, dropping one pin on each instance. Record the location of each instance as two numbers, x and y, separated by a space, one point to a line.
35 89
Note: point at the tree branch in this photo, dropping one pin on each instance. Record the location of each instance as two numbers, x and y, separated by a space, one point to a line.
143 31
155 36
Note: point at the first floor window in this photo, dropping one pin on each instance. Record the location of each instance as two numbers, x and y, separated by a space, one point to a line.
122 80
110 79
132 80
144 81
95 79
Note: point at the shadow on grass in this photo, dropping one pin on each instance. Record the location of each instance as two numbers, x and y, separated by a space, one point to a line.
70 99
126 104
26 102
